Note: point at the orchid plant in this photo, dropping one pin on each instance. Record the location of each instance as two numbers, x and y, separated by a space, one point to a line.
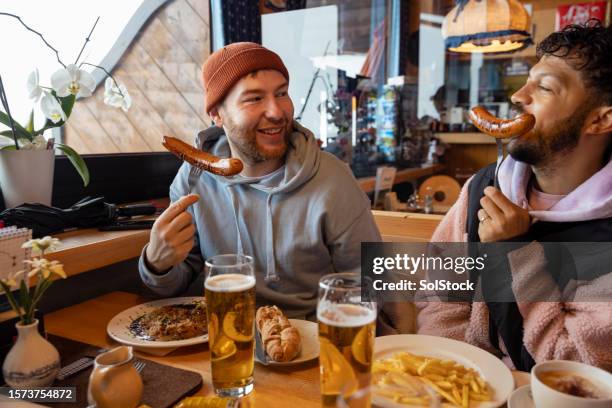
56 102
25 299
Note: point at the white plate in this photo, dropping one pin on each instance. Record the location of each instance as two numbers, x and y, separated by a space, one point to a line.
521 398
119 326
492 370
309 332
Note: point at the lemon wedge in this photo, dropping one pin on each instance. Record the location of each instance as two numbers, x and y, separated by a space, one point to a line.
362 345
213 325
222 349
337 374
229 328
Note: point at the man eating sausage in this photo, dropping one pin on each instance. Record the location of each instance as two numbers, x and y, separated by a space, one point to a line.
297 210
555 186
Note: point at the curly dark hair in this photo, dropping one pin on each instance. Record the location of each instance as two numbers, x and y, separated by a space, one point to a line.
587 48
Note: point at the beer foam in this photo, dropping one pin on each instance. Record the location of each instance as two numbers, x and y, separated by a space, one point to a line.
231 282
344 315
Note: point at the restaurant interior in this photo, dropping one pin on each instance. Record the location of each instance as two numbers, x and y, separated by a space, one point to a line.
380 84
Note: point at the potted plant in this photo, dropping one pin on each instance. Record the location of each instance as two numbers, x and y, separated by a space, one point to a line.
29 152
32 361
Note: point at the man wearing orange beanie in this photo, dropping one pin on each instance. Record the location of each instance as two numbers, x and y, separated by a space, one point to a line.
297 210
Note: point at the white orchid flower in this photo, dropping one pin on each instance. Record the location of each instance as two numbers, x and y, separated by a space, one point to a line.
116 96
34 89
72 81
51 108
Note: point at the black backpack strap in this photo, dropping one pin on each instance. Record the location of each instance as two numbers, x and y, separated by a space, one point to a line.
484 178
504 318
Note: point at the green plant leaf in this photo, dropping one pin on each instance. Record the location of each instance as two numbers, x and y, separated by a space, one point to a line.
21 132
5 288
24 297
30 125
11 299
76 160
67 103
9 147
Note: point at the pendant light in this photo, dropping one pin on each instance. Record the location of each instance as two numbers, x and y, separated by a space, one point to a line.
487 26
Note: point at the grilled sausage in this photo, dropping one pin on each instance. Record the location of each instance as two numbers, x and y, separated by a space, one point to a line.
202 160
500 128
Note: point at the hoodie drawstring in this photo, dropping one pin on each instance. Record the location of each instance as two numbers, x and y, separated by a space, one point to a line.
240 248
271 275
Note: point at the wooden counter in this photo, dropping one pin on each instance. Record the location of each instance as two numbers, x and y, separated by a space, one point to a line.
89 249
467 138
367 184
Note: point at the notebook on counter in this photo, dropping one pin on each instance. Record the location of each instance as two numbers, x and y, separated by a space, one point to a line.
12 254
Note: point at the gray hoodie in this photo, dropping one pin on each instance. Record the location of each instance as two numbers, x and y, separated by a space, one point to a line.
304 221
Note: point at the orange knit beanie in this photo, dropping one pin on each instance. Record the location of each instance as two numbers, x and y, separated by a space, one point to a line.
224 67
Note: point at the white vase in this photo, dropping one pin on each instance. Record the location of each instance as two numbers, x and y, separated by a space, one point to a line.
33 361
26 176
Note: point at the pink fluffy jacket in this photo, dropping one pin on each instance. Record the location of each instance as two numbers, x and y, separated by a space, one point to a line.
552 330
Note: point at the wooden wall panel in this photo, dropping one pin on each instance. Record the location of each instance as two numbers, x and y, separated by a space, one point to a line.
86 126
143 115
201 7
161 70
169 103
77 143
116 125
174 62
188 29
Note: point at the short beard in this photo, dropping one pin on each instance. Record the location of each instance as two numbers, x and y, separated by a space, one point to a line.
537 149
246 144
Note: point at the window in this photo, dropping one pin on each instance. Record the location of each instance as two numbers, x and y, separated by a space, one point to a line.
157 58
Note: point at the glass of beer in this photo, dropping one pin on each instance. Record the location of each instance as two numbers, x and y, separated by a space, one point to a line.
346 336
230 308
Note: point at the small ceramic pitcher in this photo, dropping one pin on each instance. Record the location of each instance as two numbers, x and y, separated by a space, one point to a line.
114 382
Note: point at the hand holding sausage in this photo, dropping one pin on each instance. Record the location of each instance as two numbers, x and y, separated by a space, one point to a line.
171 235
501 128
501 219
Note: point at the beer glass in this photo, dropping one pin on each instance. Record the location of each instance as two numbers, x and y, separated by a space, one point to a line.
230 308
346 337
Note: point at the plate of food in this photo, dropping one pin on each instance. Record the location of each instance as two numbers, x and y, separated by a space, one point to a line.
411 370
282 341
174 322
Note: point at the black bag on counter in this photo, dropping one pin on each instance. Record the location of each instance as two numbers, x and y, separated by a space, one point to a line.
87 213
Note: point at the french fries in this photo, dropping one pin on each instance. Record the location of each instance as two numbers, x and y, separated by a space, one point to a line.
408 378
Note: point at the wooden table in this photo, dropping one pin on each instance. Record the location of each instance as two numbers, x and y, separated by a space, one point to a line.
367 184
296 386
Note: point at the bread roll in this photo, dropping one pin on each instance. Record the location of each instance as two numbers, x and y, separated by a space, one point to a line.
281 341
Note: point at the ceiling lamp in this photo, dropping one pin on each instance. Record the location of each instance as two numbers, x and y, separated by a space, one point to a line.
487 26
